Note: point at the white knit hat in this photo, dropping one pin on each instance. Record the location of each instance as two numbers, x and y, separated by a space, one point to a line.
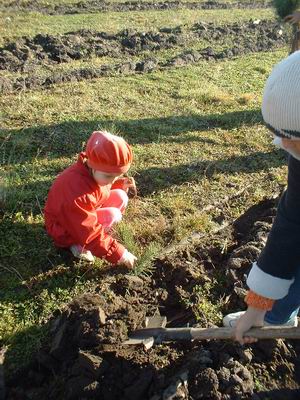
281 99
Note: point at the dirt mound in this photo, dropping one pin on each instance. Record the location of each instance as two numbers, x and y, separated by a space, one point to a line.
84 357
26 52
103 6
254 36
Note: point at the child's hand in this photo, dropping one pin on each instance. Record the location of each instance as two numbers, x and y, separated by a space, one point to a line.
293 18
127 259
252 317
132 190
128 184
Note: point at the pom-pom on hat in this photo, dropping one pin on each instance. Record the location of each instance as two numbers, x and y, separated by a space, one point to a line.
108 153
281 98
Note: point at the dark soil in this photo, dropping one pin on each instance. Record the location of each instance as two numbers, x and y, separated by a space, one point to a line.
85 358
25 54
94 6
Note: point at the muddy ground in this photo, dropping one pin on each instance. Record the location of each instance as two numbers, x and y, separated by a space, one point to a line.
103 6
85 358
26 54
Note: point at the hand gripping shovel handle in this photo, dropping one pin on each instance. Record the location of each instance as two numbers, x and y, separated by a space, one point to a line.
170 334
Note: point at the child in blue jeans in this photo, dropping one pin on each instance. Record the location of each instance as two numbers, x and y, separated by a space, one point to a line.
274 280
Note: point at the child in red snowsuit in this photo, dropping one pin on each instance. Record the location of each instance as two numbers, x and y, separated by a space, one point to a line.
87 198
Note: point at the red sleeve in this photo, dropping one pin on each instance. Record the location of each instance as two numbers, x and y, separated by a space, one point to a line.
119 184
255 300
81 220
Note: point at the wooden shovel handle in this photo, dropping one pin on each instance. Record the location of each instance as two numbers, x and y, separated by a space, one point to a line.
265 332
170 334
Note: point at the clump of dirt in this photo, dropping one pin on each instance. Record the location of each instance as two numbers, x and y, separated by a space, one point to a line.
251 37
93 6
85 356
25 54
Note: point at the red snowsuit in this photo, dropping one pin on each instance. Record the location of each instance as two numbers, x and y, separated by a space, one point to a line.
71 216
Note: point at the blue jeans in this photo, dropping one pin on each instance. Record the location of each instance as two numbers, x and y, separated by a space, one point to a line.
288 307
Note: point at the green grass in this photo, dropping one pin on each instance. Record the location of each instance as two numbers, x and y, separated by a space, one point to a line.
205 306
197 137
32 23
62 2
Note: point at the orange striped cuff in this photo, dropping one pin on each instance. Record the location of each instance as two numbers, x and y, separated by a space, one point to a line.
255 300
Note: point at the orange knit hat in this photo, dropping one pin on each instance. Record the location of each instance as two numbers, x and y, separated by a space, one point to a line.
108 153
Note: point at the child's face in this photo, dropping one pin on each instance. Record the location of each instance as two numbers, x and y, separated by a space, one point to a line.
104 178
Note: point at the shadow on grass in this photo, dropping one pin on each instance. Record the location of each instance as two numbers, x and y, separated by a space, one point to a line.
23 244
30 264
154 179
30 197
22 348
32 272
67 138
